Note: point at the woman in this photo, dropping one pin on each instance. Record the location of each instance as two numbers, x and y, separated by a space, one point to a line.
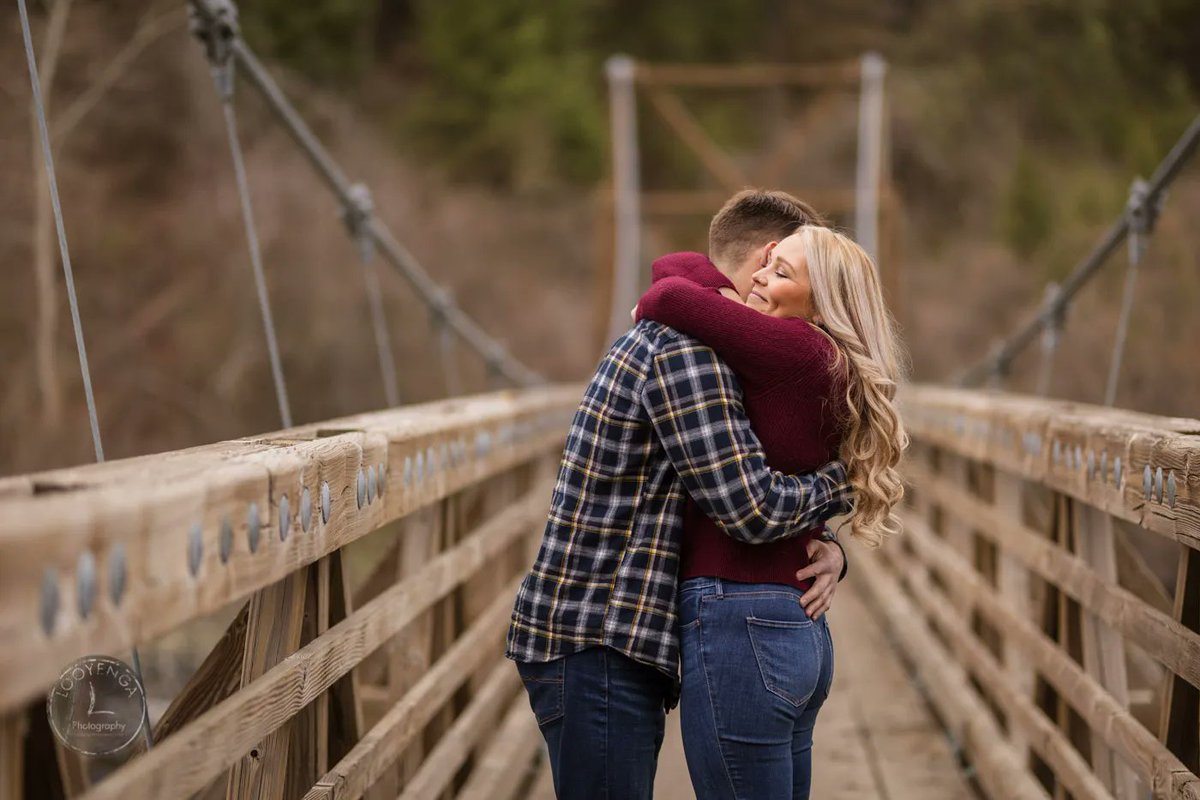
818 360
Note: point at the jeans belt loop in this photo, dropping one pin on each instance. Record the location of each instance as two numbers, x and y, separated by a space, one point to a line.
720 587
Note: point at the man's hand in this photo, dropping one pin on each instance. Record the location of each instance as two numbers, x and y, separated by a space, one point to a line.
825 565
633 313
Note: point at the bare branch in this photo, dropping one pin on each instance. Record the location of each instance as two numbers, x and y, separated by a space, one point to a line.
150 29
52 46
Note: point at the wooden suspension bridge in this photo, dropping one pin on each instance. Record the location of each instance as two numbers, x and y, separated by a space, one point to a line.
350 581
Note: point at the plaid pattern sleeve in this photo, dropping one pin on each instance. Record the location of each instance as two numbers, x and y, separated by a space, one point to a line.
698 416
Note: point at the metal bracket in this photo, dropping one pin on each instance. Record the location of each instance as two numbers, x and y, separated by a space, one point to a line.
215 24
357 215
1054 315
1141 209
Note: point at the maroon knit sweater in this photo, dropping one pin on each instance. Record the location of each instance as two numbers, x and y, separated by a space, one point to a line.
793 398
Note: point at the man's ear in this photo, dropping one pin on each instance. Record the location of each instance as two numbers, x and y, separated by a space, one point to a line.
765 255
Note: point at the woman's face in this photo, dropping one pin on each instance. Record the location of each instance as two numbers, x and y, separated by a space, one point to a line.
782 287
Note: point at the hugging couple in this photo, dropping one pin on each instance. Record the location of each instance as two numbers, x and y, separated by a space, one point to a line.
685 559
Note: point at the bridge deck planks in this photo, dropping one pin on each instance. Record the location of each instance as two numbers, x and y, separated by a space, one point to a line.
875 739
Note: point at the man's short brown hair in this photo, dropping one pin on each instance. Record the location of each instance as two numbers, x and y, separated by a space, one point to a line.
753 217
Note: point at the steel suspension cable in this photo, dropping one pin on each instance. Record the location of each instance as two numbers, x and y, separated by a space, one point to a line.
1141 220
1170 167
68 274
357 219
72 298
217 36
1051 336
396 255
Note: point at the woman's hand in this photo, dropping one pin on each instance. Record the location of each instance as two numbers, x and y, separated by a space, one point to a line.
824 566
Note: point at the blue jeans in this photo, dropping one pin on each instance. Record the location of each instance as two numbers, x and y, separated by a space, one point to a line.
756 670
602 715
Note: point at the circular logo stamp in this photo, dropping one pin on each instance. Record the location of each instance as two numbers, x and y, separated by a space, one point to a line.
98 705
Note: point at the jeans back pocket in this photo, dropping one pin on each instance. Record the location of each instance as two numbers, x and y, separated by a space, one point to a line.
788 656
544 684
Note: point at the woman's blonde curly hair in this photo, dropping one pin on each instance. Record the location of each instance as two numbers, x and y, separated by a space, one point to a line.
848 298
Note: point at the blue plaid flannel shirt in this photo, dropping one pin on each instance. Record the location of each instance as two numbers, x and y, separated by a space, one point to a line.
662 418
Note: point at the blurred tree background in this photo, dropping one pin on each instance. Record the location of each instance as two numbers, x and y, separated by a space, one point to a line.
482 126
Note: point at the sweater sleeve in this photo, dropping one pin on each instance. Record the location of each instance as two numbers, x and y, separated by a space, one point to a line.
758 346
695 267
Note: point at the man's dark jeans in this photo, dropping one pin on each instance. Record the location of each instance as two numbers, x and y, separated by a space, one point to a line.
602 716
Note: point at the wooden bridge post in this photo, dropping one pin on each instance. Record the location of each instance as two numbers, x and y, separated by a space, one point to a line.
958 533
274 623
12 754
409 654
1180 729
1103 648
1014 584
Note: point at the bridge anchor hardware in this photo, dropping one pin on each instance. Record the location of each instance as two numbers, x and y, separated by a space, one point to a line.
215 24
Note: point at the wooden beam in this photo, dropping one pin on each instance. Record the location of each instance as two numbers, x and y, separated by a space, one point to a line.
681 122
159 517
1103 647
508 761
1074 449
12 755
1163 772
198 752
274 623
403 724
218 676
1013 581
1158 634
473 724
964 714
839 74
1180 729
1018 705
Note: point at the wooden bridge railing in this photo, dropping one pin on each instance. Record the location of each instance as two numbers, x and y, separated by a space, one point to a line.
368 567
1057 663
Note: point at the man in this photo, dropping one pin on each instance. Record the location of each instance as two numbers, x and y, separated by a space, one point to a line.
594 630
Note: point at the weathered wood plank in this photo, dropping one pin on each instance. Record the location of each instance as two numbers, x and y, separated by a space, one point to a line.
1163 772
1014 583
274 623
1181 701
961 709
1138 467
844 73
508 760
1035 727
403 723
471 726
220 737
1158 634
12 755
154 524
1103 647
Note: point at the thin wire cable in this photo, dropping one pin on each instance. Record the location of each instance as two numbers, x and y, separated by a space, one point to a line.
450 369
356 218
44 135
1051 337
395 254
260 282
1152 192
1136 246
35 82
